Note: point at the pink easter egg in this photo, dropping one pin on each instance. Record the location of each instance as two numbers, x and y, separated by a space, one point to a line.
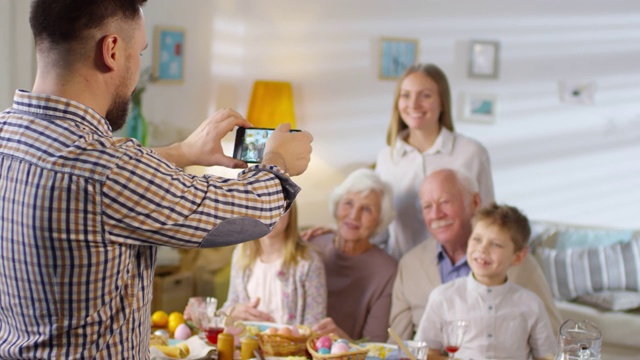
324 342
182 332
339 348
295 332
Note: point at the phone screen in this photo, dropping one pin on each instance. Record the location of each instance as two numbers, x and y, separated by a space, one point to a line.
250 143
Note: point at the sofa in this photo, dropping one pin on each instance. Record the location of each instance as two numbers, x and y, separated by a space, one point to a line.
594 274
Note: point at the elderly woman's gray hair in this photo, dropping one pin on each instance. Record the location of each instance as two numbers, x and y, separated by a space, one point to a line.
363 181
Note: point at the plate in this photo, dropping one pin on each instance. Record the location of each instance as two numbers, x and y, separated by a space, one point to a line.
198 349
263 325
378 350
174 342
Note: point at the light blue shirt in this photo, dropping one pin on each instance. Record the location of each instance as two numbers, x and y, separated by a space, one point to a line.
448 270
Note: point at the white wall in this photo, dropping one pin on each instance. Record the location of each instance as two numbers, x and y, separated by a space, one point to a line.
17 59
556 161
5 60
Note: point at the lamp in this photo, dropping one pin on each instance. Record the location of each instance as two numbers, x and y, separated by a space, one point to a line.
271 104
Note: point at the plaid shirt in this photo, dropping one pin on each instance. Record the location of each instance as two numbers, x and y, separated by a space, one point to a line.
81 214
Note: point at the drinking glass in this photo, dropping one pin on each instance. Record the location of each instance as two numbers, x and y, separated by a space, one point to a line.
453 332
210 325
196 303
417 348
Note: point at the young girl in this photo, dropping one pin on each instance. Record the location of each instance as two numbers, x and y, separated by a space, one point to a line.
278 278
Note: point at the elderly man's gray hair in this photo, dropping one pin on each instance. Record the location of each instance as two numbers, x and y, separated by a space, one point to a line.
363 181
467 182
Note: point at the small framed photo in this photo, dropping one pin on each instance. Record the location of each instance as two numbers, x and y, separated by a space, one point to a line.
484 59
168 54
478 108
396 55
577 92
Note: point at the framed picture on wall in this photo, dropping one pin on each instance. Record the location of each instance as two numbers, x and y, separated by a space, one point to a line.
484 59
168 54
478 108
396 55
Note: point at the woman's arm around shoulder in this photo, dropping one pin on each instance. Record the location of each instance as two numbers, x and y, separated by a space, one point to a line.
315 291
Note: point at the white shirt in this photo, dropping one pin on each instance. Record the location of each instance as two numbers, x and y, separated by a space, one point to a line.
405 168
263 283
505 321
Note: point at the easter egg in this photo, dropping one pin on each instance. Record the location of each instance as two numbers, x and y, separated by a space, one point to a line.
182 332
343 341
324 351
285 331
295 332
272 330
324 342
339 348
163 333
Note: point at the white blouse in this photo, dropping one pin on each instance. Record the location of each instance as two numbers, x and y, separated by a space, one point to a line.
263 283
405 168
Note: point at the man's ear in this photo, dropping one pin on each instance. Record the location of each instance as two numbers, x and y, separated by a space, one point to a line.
520 255
476 202
109 51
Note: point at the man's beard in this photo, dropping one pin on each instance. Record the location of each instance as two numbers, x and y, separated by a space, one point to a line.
117 113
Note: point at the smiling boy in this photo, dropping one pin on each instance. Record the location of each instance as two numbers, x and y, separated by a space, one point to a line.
505 320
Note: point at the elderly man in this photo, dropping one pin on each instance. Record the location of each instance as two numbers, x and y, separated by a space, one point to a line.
448 200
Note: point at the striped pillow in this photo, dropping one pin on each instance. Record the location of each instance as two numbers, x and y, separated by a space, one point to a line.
576 272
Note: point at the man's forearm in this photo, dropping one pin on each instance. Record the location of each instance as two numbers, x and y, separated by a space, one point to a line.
173 153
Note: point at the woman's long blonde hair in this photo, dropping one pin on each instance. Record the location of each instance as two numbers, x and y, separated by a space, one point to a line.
294 248
397 125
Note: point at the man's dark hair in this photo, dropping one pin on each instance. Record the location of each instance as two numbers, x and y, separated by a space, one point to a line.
64 21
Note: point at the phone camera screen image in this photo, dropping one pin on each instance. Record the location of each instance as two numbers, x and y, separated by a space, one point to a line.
250 143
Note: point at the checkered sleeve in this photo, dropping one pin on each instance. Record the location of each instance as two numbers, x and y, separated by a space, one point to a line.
148 201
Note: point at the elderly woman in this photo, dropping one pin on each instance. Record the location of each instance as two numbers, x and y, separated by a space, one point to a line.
359 274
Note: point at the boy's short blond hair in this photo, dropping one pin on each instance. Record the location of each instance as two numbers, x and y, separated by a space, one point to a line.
509 219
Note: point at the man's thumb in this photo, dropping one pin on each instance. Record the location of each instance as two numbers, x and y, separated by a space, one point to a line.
284 127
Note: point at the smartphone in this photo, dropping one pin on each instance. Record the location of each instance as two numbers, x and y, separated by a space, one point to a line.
250 143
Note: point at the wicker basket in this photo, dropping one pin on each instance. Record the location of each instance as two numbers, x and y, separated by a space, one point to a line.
282 345
359 354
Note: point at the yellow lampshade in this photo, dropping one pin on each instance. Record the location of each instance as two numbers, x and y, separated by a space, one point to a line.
271 104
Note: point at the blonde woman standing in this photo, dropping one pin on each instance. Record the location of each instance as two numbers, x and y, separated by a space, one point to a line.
421 139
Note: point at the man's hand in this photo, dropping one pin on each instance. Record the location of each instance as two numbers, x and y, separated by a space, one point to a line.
204 146
289 151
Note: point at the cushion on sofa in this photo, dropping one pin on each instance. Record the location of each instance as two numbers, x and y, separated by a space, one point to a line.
612 300
586 238
561 236
575 272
